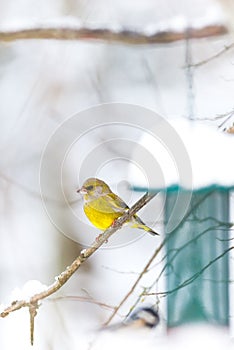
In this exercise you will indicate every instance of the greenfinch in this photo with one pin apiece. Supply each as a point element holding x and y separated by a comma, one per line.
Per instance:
<point>102,207</point>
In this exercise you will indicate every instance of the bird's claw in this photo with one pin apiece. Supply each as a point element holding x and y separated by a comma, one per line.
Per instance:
<point>114,223</point>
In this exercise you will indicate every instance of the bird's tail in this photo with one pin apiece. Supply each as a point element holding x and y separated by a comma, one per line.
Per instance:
<point>136,222</point>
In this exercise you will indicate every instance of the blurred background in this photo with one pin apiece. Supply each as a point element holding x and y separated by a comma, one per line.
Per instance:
<point>46,88</point>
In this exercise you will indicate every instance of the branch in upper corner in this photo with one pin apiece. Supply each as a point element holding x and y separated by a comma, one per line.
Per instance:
<point>123,36</point>
<point>32,303</point>
<point>211,58</point>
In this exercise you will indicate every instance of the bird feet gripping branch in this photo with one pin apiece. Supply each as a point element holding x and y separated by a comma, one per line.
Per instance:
<point>99,237</point>
<point>113,225</point>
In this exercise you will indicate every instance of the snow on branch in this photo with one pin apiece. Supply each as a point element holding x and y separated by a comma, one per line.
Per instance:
<point>150,35</point>
<point>32,302</point>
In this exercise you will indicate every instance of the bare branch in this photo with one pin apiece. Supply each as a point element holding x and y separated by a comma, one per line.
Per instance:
<point>124,36</point>
<point>211,58</point>
<point>193,277</point>
<point>83,299</point>
<point>146,268</point>
<point>135,283</point>
<point>178,250</point>
<point>35,193</point>
<point>32,304</point>
<point>33,313</point>
<point>120,271</point>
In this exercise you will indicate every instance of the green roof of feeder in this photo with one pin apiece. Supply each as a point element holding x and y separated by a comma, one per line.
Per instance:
<point>187,158</point>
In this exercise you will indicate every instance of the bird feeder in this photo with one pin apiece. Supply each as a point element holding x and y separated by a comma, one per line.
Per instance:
<point>191,164</point>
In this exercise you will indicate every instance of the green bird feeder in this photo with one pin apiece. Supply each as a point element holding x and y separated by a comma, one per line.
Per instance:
<point>191,165</point>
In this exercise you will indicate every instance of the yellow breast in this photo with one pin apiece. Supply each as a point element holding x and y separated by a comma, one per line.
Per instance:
<point>100,218</point>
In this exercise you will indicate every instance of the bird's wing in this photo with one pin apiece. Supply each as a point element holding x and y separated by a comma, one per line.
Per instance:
<point>116,203</point>
<point>108,203</point>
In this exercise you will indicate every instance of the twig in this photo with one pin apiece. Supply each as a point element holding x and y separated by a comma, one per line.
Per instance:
<point>189,77</point>
<point>211,58</point>
<point>120,271</point>
<point>152,259</point>
<point>178,250</point>
<point>33,313</point>
<point>35,193</point>
<point>135,283</point>
<point>193,277</point>
<point>125,36</point>
<point>163,243</point>
<point>83,299</point>
<point>32,304</point>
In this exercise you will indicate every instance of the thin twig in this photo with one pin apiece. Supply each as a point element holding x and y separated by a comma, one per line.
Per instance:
<point>211,58</point>
<point>151,260</point>
<point>135,283</point>
<point>35,193</point>
<point>32,304</point>
<point>178,250</point>
<point>189,77</point>
<point>125,36</point>
<point>163,243</point>
<point>193,277</point>
<point>83,299</point>
<point>120,271</point>
<point>33,313</point>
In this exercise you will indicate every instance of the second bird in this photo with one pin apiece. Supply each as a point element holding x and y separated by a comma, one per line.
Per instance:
<point>102,207</point>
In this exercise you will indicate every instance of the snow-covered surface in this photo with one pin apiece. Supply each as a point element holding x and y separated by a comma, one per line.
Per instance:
<point>188,337</point>
<point>42,84</point>
<point>115,14</point>
<point>181,152</point>
<point>178,23</point>
<point>27,290</point>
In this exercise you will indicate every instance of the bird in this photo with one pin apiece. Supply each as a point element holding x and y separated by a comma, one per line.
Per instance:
<point>102,207</point>
<point>136,331</point>
<point>140,318</point>
<point>143,317</point>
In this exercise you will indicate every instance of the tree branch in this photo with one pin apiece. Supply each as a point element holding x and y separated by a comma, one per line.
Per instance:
<point>145,269</point>
<point>193,277</point>
<point>83,299</point>
<point>32,303</point>
<point>124,36</point>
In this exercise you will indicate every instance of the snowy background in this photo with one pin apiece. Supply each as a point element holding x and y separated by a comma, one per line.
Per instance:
<point>46,135</point>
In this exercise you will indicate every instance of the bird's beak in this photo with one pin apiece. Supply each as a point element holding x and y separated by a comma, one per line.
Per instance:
<point>82,190</point>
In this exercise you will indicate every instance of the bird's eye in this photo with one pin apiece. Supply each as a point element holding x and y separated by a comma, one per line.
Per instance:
<point>89,188</point>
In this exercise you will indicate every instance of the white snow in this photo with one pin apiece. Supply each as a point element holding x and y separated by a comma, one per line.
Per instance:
<point>2,307</point>
<point>83,251</point>
<point>185,337</point>
<point>182,152</point>
<point>30,288</point>
<point>180,23</point>
<point>177,23</point>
